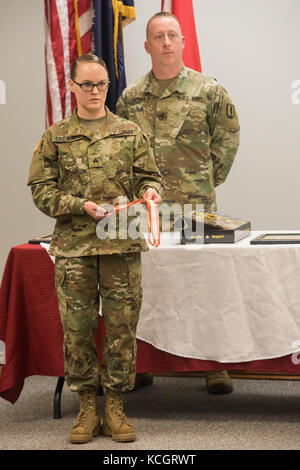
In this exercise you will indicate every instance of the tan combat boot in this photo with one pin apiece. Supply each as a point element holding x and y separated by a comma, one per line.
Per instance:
<point>115,423</point>
<point>218,382</point>
<point>88,422</point>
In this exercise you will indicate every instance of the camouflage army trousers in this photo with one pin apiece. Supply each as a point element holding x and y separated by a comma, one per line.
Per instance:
<point>79,283</point>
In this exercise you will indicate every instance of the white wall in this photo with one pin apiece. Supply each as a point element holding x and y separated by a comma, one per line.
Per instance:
<point>22,119</point>
<point>250,46</point>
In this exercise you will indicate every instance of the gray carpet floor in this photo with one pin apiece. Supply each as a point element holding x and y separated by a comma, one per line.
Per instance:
<point>175,413</point>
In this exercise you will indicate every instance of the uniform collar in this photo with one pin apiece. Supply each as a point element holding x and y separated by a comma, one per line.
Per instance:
<point>76,127</point>
<point>151,85</point>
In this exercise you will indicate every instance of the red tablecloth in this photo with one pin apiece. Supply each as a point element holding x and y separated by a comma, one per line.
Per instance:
<point>31,328</point>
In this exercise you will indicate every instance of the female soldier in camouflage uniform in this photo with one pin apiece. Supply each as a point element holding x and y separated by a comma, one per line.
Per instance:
<point>89,159</point>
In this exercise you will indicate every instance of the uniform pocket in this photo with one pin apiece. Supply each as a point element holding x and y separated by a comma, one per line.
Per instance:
<point>60,276</point>
<point>66,159</point>
<point>194,125</point>
<point>72,160</point>
<point>110,162</point>
<point>60,272</point>
<point>134,269</point>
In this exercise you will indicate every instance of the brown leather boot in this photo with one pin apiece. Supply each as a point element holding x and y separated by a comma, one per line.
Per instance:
<point>218,382</point>
<point>142,379</point>
<point>115,423</point>
<point>88,422</point>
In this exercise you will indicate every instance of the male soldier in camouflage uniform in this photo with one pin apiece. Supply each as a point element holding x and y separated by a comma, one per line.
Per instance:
<point>81,163</point>
<point>192,125</point>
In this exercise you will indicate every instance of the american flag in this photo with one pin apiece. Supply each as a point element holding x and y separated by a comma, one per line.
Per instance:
<point>183,10</point>
<point>69,30</point>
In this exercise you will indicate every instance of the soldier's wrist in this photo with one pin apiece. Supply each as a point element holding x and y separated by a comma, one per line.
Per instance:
<point>78,206</point>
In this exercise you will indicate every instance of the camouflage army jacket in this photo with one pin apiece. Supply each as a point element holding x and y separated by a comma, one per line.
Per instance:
<point>72,165</point>
<point>193,128</point>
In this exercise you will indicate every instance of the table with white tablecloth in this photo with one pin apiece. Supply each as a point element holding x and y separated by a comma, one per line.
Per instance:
<point>204,308</point>
<point>224,302</point>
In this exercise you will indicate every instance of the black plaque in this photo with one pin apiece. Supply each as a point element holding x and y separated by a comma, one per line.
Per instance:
<point>216,228</point>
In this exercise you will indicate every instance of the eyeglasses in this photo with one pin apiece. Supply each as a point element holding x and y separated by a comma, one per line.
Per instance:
<point>89,86</point>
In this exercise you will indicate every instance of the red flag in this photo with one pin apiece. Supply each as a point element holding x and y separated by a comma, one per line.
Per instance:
<point>68,34</point>
<point>183,10</point>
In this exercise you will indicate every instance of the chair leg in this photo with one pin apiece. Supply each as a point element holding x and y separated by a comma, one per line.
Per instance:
<point>57,398</point>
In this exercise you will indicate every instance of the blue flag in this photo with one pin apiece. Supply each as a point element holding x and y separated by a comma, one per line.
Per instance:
<point>110,17</point>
